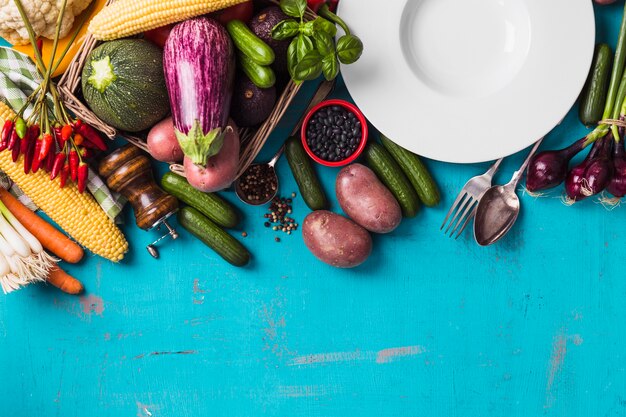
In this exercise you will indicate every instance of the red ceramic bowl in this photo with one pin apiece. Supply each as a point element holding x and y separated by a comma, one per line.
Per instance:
<point>352,109</point>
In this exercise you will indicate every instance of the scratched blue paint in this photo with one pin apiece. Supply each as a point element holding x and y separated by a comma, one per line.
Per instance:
<point>428,327</point>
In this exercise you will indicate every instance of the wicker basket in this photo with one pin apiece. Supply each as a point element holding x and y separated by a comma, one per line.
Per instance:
<point>252,140</point>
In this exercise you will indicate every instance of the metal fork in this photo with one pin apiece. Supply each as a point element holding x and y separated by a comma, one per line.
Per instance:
<point>464,207</point>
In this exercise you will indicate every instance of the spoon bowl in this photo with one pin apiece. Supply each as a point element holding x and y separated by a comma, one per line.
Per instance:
<point>496,214</point>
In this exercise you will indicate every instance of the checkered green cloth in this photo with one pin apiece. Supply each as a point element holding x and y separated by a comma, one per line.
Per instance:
<point>19,77</point>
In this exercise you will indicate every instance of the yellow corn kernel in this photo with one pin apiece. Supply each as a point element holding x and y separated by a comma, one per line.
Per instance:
<point>79,215</point>
<point>124,18</point>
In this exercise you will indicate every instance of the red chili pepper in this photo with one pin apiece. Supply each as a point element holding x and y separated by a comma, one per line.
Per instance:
<point>78,139</point>
<point>83,173</point>
<point>91,135</point>
<point>66,132</point>
<point>56,132</point>
<point>85,153</point>
<point>33,134</point>
<point>77,123</point>
<point>46,145</point>
<point>15,150</point>
<point>7,131</point>
<point>65,172</point>
<point>73,161</point>
<point>57,166</point>
<point>52,156</point>
<point>315,4</point>
<point>36,155</point>
<point>14,138</point>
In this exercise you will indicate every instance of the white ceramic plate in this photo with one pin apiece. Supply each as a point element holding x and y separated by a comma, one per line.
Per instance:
<point>468,80</point>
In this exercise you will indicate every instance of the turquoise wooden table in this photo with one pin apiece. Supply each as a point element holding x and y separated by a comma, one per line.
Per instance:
<point>427,327</point>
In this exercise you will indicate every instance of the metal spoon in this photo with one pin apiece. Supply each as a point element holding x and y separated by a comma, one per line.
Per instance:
<point>270,176</point>
<point>324,89</point>
<point>499,207</point>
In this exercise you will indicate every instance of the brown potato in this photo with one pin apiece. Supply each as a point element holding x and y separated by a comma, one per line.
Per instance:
<point>336,240</point>
<point>366,200</point>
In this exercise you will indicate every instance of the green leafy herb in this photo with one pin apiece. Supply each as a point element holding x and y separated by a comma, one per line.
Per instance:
<point>324,43</point>
<point>349,49</point>
<point>309,67</point>
<point>330,67</point>
<point>312,50</point>
<point>286,29</point>
<point>322,25</point>
<point>293,8</point>
<point>304,46</point>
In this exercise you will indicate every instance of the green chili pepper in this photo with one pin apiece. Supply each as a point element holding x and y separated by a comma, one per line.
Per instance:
<point>20,128</point>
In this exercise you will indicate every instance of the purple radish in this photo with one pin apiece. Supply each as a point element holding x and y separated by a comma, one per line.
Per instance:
<point>549,168</point>
<point>199,64</point>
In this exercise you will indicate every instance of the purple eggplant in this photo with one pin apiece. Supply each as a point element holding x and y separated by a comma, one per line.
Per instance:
<point>549,169</point>
<point>199,64</point>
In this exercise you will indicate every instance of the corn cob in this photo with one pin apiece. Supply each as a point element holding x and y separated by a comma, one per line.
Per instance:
<point>124,18</point>
<point>77,214</point>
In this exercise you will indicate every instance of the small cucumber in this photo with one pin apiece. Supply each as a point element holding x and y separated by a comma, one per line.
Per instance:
<point>416,172</point>
<point>305,175</point>
<point>390,173</point>
<point>211,205</point>
<point>593,97</point>
<point>261,76</point>
<point>249,43</point>
<point>213,236</point>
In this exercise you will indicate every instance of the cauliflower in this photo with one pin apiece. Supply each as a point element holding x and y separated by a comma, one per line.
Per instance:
<point>42,14</point>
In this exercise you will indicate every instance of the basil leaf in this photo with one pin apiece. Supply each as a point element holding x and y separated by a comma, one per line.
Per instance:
<point>322,25</point>
<point>307,28</point>
<point>309,67</point>
<point>349,49</point>
<point>285,30</point>
<point>304,46</point>
<point>292,57</point>
<point>324,43</point>
<point>330,66</point>
<point>293,8</point>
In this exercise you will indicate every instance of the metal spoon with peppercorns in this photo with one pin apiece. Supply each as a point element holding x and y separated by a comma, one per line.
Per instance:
<point>259,183</point>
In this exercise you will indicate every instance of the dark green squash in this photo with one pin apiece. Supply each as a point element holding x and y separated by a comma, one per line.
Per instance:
<point>124,85</point>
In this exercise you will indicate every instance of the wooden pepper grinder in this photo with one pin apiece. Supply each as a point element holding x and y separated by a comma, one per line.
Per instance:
<point>127,171</point>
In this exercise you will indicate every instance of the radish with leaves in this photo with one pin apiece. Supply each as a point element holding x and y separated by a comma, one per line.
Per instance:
<point>199,64</point>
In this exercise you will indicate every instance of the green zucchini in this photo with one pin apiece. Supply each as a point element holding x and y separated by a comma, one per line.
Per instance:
<point>593,97</point>
<point>416,172</point>
<point>261,76</point>
<point>305,176</point>
<point>390,173</point>
<point>249,43</point>
<point>213,236</point>
<point>211,205</point>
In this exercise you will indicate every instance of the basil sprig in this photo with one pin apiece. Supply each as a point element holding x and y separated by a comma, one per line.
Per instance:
<point>312,50</point>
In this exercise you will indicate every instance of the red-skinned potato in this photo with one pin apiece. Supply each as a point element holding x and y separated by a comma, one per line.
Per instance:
<point>366,200</point>
<point>162,142</point>
<point>221,169</point>
<point>336,240</point>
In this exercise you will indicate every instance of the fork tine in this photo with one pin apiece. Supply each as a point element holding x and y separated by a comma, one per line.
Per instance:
<point>460,197</point>
<point>470,217</point>
<point>469,209</point>
<point>460,209</point>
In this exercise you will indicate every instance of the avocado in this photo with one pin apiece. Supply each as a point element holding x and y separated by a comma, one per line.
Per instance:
<point>262,25</point>
<point>250,104</point>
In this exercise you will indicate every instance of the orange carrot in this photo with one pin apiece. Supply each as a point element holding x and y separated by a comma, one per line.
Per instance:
<point>50,238</point>
<point>64,281</point>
